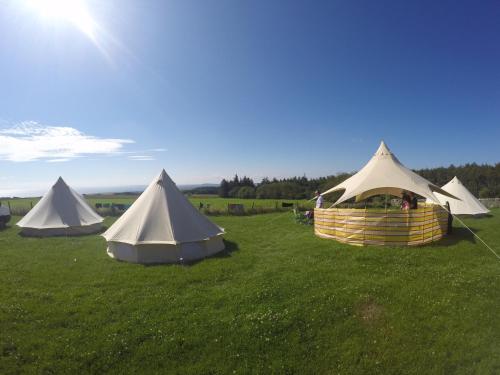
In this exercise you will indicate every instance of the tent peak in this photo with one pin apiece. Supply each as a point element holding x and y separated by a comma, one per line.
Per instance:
<point>383,149</point>
<point>163,177</point>
<point>60,182</point>
<point>163,174</point>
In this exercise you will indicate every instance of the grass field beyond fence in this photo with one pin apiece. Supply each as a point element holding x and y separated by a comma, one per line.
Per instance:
<point>212,205</point>
<point>278,300</point>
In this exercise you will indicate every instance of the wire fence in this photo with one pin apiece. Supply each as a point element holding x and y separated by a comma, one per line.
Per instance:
<point>490,202</point>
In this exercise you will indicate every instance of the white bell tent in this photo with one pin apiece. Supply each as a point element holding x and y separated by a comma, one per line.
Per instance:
<point>162,226</point>
<point>468,203</point>
<point>60,212</point>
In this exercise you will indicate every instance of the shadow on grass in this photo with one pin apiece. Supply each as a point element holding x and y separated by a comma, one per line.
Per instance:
<point>476,217</point>
<point>103,229</point>
<point>484,216</point>
<point>229,248</point>
<point>458,235</point>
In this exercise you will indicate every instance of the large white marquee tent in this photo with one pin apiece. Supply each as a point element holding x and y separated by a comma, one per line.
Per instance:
<point>162,226</point>
<point>61,211</point>
<point>468,203</point>
<point>384,174</point>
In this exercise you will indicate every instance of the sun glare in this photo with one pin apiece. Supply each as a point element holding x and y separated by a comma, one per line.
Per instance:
<point>73,11</point>
<point>78,14</point>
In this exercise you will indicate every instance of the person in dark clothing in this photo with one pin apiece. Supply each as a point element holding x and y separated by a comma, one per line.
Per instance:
<point>413,201</point>
<point>450,218</point>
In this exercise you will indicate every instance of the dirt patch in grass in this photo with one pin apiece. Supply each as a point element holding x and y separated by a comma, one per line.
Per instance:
<point>370,312</point>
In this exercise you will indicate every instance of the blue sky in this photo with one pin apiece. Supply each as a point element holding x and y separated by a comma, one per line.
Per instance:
<point>206,89</point>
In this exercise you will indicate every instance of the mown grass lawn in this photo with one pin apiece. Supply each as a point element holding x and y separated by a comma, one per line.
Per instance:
<point>278,301</point>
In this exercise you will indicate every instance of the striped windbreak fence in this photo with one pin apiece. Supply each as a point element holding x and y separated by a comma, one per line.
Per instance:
<point>425,224</point>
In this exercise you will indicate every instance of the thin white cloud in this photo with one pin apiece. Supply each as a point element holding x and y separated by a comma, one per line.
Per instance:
<point>135,152</point>
<point>30,141</point>
<point>141,157</point>
<point>60,160</point>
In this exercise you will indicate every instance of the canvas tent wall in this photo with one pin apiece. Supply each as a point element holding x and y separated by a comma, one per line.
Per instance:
<point>468,203</point>
<point>61,211</point>
<point>162,226</point>
<point>384,174</point>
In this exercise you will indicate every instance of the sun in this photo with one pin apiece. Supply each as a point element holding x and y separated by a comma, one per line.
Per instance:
<point>73,11</point>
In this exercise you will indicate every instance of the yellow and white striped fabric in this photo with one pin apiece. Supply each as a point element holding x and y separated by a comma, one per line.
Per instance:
<point>361,227</point>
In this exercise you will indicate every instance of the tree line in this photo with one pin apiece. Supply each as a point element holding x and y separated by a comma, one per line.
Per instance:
<point>482,180</point>
<point>286,188</point>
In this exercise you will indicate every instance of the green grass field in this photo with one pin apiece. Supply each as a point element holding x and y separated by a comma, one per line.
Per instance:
<point>213,201</point>
<point>279,300</point>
